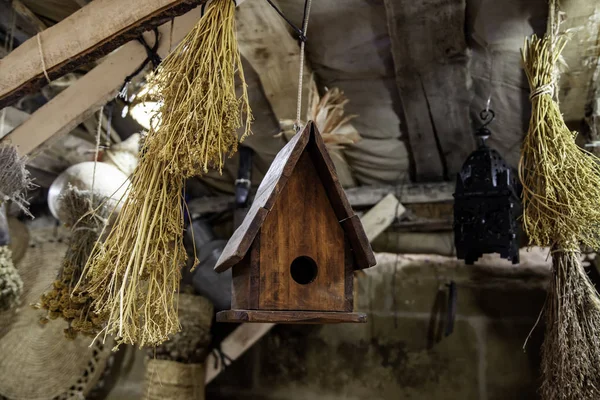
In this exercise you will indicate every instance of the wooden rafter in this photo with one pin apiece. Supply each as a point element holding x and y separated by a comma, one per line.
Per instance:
<point>80,100</point>
<point>430,57</point>
<point>88,34</point>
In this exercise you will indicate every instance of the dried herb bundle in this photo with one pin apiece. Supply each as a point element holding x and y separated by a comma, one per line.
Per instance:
<point>14,177</point>
<point>570,354</point>
<point>87,216</point>
<point>561,181</point>
<point>561,189</point>
<point>134,275</point>
<point>200,111</point>
<point>11,284</point>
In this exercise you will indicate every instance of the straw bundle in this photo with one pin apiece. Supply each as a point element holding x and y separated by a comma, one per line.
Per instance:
<point>200,111</point>
<point>135,274</point>
<point>86,215</point>
<point>561,189</point>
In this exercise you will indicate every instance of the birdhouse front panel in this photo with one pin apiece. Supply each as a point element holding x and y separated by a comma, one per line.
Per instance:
<point>302,247</point>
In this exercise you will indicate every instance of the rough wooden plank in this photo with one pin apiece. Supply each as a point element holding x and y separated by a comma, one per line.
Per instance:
<point>234,345</point>
<point>240,284</point>
<point>272,184</point>
<point>28,15</point>
<point>265,41</point>
<point>349,277</point>
<point>358,197</point>
<point>291,317</point>
<point>254,270</point>
<point>80,100</point>
<point>326,168</point>
<point>360,244</point>
<point>380,217</point>
<point>430,57</point>
<point>579,81</point>
<point>302,223</point>
<point>409,193</point>
<point>101,26</point>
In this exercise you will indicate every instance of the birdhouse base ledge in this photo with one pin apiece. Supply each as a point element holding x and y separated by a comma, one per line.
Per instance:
<point>291,317</point>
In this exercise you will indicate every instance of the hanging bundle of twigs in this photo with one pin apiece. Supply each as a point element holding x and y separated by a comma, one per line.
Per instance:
<point>87,216</point>
<point>561,190</point>
<point>136,272</point>
<point>200,111</point>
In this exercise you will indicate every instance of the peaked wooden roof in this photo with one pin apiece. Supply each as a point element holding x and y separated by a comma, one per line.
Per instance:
<point>274,182</point>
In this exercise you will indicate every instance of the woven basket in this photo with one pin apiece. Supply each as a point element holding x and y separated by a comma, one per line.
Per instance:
<point>170,380</point>
<point>36,361</point>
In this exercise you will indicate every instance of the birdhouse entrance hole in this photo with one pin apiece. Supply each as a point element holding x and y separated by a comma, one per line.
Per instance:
<point>303,270</point>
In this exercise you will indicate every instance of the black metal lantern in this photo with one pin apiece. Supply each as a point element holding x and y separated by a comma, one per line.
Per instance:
<point>486,203</point>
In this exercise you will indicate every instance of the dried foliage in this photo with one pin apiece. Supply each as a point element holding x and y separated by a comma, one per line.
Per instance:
<point>561,189</point>
<point>87,216</point>
<point>14,177</point>
<point>11,284</point>
<point>135,273</point>
<point>329,115</point>
<point>561,181</point>
<point>200,111</point>
<point>570,353</point>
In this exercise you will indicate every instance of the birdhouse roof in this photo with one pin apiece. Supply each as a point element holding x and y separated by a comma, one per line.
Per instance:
<point>273,183</point>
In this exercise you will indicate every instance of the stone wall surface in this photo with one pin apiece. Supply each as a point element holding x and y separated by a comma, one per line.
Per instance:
<point>402,352</point>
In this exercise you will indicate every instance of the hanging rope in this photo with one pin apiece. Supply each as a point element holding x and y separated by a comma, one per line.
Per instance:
<point>307,5</point>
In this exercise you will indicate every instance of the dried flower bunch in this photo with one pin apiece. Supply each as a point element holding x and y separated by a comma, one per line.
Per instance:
<point>135,273</point>
<point>69,299</point>
<point>561,189</point>
<point>11,284</point>
<point>200,111</point>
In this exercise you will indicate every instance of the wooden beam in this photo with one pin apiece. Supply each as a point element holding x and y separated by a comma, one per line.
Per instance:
<point>234,345</point>
<point>380,217</point>
<point>359,197</point>
<point>430,57</point>
<point>26,13</point>
<point>100,27</point>
<point>267,44</point>
<point>83,98</point>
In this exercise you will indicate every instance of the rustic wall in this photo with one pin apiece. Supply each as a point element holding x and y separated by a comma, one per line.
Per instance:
<point>401,353</point>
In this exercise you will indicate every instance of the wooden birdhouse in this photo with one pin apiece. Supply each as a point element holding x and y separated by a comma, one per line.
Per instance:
<point>294,255</point>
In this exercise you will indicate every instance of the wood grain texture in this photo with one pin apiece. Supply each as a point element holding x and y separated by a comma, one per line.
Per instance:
<point>380,217</point>
<point>271,185</point>
<point>266,43</point>
<point>240,284</point>
<point>80,100</point>
<point>302,223</point>
<point>101,27</point>
<point>361,247</point>
<point>348,276</point>
<point>234,345</point>
<point>430,57</point>
<point>290,317</point>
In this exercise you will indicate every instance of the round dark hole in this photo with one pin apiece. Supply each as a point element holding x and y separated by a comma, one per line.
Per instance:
<point>303,270</point>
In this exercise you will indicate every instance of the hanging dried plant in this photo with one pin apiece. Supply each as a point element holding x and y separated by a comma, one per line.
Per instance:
<point>200,111</point>
<point>329,115</point>
<point>87,216</point>
<point>135,273</point>
<point>561,181</point>
<point>561,189</point>
<point>14,177</point>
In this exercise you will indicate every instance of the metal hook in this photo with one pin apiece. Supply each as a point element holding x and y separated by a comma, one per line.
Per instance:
<point>487,116</point>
